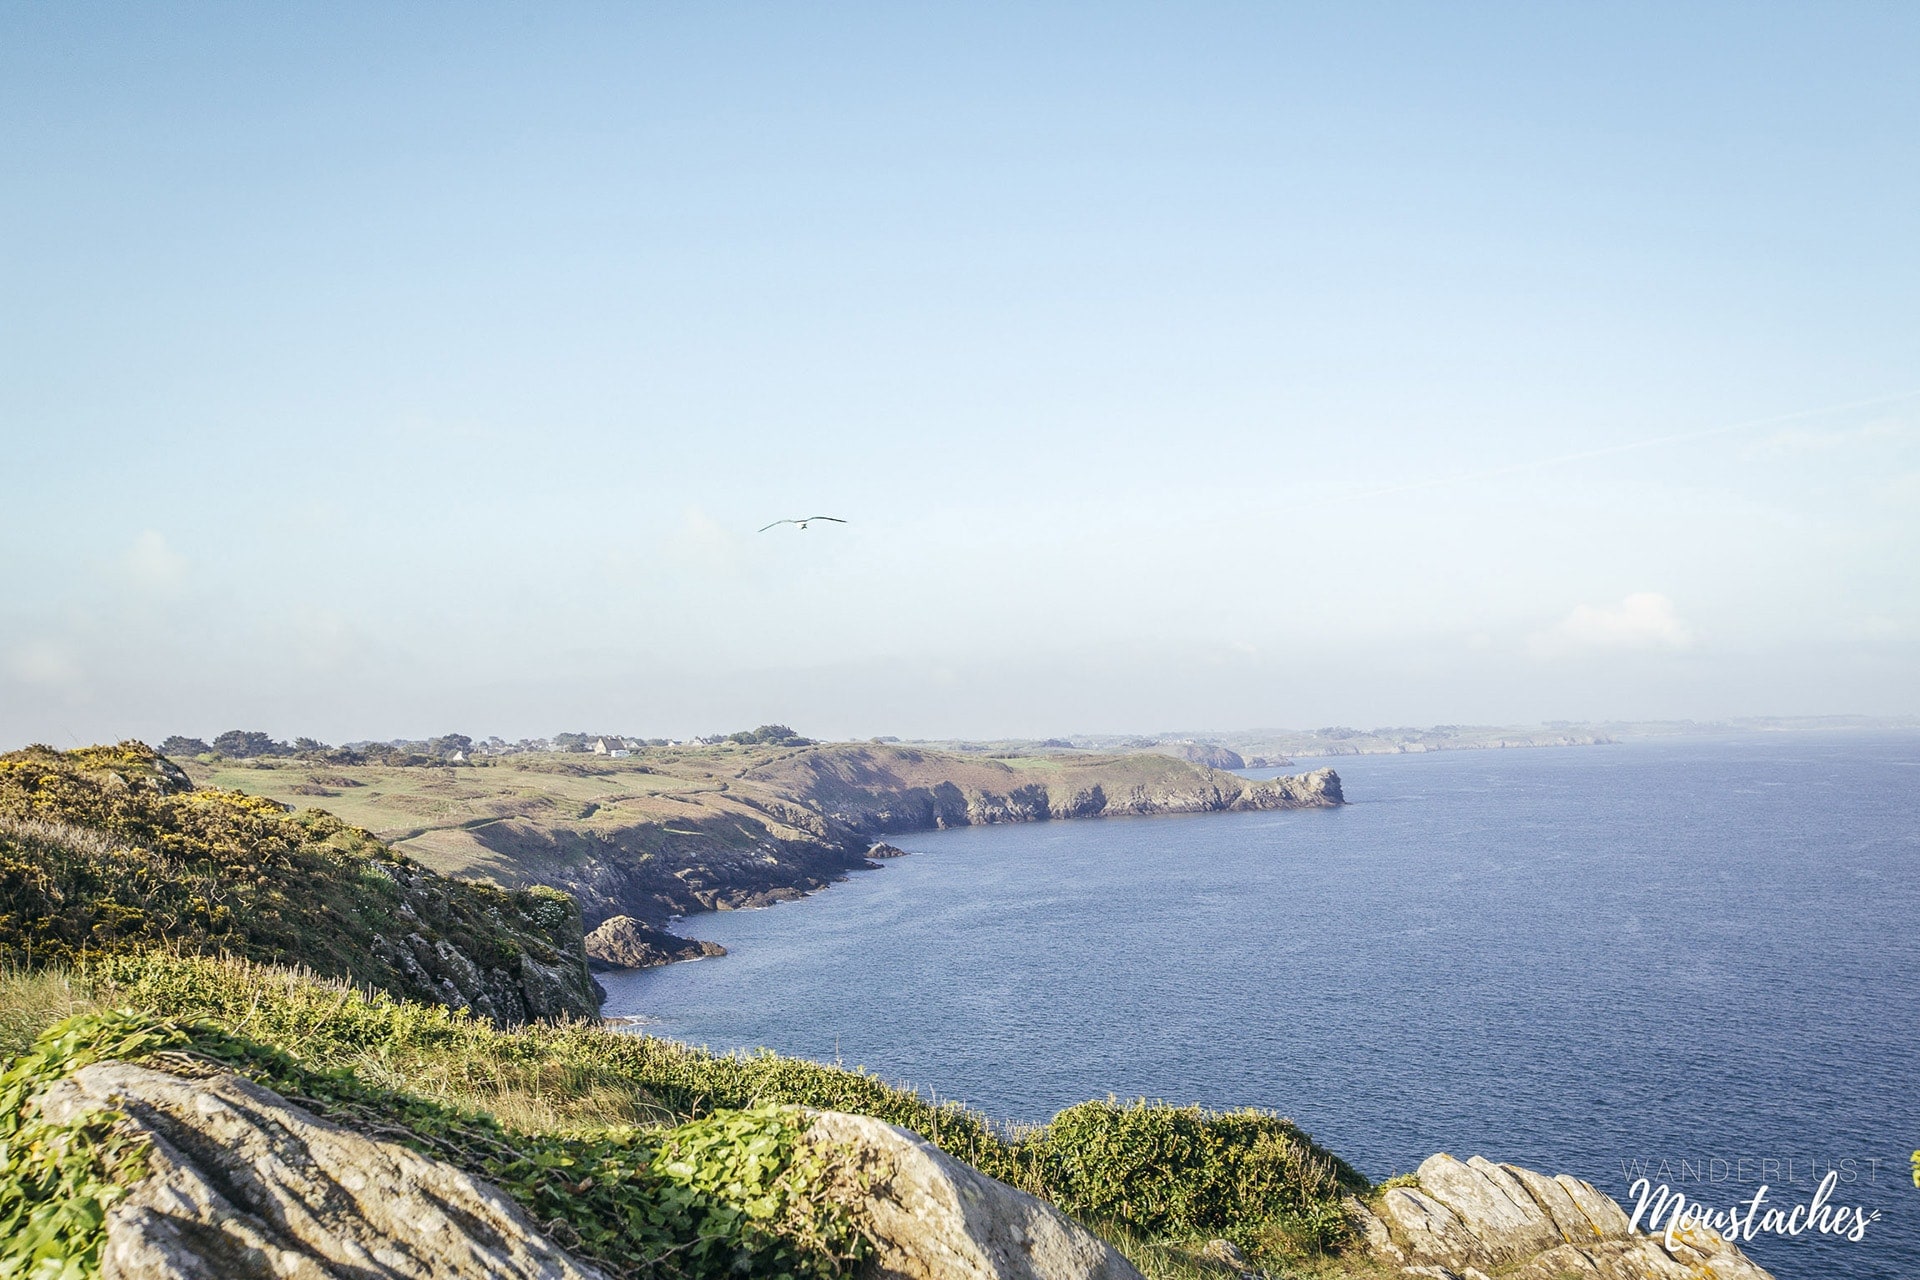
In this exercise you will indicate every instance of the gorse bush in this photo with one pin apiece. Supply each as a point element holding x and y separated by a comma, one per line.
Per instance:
<point>1183,1171</point>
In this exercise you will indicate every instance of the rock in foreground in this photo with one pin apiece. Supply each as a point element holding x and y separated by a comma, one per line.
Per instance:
<point>933,1218</point>
<point>244,1183</point>
<point>1466,1220</point>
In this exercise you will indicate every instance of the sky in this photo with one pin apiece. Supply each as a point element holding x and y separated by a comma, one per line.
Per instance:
<point>372,370</point>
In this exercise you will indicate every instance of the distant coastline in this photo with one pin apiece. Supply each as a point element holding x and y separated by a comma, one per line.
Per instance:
<point>1278,748</point>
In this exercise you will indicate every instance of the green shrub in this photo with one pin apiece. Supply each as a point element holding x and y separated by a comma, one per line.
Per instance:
<point>1183,1171</point>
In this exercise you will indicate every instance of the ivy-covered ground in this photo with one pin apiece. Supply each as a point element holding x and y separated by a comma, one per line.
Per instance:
<point>647,1156</point>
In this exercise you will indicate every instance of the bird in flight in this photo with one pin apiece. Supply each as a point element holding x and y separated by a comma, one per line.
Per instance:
<point>802,523</point>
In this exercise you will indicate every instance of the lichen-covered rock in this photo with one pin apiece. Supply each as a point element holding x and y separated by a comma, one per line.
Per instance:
<point>933,1218</point>
<point>244,1183</point>
<point>1464,1220</point>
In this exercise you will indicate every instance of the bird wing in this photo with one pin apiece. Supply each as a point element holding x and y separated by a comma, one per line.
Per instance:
<point>776,524</point>
<point>835,519</point>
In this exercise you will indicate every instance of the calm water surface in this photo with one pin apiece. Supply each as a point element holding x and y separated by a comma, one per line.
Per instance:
<point>1575,959</point>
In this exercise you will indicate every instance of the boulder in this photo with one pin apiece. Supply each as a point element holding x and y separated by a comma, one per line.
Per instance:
<point>625,943</point>
<point>1226,1253</point>
<point>244,1183</point>
<point>933,1218</point>
<point>1465,1220</point>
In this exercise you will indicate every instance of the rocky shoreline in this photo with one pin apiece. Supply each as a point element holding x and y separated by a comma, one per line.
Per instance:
<point>839,818</point>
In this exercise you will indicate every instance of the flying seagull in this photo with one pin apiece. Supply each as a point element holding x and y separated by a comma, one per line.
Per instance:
<point>802,523</point>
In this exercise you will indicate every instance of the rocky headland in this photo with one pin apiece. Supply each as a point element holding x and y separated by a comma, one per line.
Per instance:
<point>672,832</point>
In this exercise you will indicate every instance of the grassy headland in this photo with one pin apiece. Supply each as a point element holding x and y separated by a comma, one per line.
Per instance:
<point>110,849</point>
<point>671,831</point>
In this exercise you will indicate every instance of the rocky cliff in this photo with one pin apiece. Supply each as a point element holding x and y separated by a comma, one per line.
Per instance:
<point>876,790</point>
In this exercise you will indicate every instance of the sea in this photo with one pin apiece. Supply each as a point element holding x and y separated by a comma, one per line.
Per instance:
<point>1694,961</point>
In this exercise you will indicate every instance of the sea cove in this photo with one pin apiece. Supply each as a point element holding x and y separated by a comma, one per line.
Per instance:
<point>1564,958</point>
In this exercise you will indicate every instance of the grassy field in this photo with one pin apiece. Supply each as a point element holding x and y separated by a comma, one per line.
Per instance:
<point>443,816</point>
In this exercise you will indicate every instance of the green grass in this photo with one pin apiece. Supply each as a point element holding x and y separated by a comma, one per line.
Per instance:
<point>1160,1180</point>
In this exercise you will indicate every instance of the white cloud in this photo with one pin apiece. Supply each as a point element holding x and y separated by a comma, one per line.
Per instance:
<point>1645,622</point>
<point>43,664</point>
<point>704,546</point>
<point>153,565</point>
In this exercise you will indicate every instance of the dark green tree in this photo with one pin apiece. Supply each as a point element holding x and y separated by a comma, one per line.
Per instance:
<point>242,744</point>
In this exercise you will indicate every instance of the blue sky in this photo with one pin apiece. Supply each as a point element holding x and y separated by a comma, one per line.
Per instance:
<point>378,370</point>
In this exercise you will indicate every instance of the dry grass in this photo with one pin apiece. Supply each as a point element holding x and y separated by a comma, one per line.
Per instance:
<point>33,1000</point>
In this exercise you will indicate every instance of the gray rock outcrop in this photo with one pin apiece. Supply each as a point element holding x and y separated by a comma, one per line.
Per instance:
<point>244,1183</point>
<point>1468,1219</point>
<point>625,943</point>
<point>933,1218</point>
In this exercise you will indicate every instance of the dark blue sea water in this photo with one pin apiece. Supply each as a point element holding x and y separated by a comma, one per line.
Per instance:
<point>1588,960</point>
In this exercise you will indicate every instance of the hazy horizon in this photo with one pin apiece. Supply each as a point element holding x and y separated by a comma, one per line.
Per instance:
<point>368,373</point>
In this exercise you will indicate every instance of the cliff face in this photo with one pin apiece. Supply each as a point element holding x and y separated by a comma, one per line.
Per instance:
<point>111,849</point>
<point>880,790</point>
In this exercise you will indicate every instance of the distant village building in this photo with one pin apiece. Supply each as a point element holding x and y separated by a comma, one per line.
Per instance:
<point>610,747</point>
